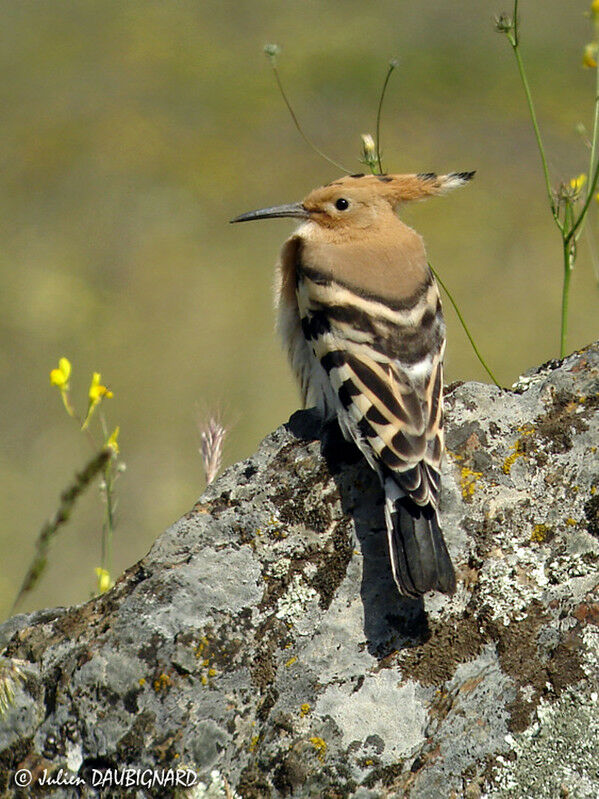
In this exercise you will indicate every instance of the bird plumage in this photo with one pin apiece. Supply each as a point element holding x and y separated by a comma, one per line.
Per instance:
<point>360,314</point>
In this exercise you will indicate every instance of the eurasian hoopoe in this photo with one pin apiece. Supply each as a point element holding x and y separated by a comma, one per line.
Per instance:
<point>360,314</point>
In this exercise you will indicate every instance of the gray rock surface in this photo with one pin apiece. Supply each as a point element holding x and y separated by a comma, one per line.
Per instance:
<point>262,643</point>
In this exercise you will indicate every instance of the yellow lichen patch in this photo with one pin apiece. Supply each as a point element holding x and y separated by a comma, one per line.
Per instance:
<point>212,672</point>
<point>290,662</point>
<point>304,709</point>
<point>539,533</point>
<point>519,448</point>
<point>526,429</point>
<point>509,462</point>
<point>468,481</point>
<point>254,743</point>
<point>162,682</point>
<point>142,681</point>
<point>320,746</point>
<point>201,646</point>
<point>571,522</point>
<point>204,679</point>
<point>593,490</point>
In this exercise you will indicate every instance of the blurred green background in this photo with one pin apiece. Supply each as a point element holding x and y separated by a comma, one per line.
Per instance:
<point>133,130</point>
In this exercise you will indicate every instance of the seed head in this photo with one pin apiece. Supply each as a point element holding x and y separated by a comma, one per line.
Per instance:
<point>213,436</point>
<point>504,23</point>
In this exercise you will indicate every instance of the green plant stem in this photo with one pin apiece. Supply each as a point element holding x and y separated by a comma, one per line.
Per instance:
<point>465,326</point>
<point>591,189</point>
<point>567,254</point>
<point>576,226</point>
<point>515,43</point>
<point>572,225</point>
<point>392,66</point>
<point>68,498</point>
<point>296,121</point>
<point>109,521</point>
<point>595,128</point>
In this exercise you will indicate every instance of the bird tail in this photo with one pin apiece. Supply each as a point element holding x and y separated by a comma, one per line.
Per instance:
<point>419,558</point>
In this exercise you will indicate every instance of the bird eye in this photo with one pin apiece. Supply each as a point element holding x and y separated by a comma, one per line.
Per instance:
<point>341,204</point>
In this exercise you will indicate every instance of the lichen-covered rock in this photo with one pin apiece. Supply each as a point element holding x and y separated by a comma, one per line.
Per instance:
<point>262,643</point>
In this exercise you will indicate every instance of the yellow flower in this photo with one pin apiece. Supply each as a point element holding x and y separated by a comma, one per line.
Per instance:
<point>60,377</point>
<point>578,183</point>
<point>589,56</point>
<point>97,391</point>
<point>104,580</point>
<point>113,440</point>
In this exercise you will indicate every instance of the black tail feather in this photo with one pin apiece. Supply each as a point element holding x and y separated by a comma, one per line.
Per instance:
<point>419,557</point>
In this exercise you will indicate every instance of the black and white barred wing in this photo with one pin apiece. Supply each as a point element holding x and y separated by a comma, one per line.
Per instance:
<point>396,424</point>
<point>393,412</point>
<point>383,377</point>
<point>399,430</point>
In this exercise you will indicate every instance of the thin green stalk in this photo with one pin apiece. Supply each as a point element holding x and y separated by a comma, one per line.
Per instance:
<point>465,326</point>
<point>392,65</point>
<point>595,127</point>
<point>567,253</point>
<point>572,224</point>
<point>585,207</point>
<point>309,142</point>
<point>109,522</point>
<point>108,526</point>
<point>514,40</point>
<point>593,252</point>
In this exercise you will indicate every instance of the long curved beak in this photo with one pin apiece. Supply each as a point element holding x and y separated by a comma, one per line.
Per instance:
<point>293,209</point>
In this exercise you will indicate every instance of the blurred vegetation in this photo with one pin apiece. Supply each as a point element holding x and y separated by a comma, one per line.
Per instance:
<point>134,130</point>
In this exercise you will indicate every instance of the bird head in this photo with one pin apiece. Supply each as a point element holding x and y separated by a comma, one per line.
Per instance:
<point>357,201</point>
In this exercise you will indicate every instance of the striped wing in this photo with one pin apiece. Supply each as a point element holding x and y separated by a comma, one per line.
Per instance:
<point>385,378</point>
